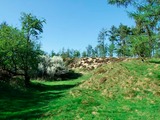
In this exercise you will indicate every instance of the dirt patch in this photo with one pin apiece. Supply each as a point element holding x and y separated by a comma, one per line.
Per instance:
<point>92,63</point>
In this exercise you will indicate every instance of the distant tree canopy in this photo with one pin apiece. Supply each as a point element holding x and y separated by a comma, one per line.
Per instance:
<point>32,27</point>
<point>120,2</point>
<point>18,51</point>
<point>143,39</point>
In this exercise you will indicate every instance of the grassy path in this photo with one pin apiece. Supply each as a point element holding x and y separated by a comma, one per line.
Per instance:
<point>35,102</point>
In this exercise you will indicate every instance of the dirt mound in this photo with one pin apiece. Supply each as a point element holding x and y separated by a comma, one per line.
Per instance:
<point>92,63</point>
<point>115,80</point>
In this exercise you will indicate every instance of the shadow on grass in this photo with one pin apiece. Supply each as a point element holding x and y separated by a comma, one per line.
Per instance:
<point>43,88</point>
<point>30,103</point>
<point>155,61</point>
<point>71,75</point>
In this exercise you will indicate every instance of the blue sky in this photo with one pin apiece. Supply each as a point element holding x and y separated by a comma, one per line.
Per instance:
<point>69,23</point>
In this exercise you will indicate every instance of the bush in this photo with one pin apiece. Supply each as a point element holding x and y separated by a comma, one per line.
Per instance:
<point>5,76</point>
<point>51,67</point>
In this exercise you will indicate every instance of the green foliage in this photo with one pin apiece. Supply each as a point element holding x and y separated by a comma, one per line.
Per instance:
<point>146,16</point>
<point>31,25</point>
<point>18,51</point>
<point>89,51</point>
<point>69,53</point>
<point>120,2</point>
<point>76,54</point>
<point>140,46</point>
<point>84,54</point>
<point>111,49</point>
<point>52,53</point>
<point>130,90</point>
<point>112,34</point>
<point>14,49</point>
<point>102,46</point>
<point>118,39</point>
<point>36,101</point>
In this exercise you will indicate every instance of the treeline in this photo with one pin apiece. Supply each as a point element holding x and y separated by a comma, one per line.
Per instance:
<point>121,41</point>
<point>142,40</point>
<point>20,52</point>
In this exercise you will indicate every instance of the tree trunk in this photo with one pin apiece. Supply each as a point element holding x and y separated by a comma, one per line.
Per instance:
<point>27,80</point>
<point>150,40</point>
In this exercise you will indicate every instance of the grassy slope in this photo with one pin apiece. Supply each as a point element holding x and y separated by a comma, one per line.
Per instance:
<point>125,90</point>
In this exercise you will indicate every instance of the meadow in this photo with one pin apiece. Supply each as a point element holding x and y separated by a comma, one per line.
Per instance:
<point>127,90</point>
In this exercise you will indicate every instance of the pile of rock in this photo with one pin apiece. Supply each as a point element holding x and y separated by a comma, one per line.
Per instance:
<point>92,63</point>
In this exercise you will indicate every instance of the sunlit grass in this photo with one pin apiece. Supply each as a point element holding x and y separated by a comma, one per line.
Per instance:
<point>127,90</point>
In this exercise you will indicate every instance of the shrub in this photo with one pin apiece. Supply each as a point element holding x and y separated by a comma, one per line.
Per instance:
<point>52,67</point>
<point>5,76</point>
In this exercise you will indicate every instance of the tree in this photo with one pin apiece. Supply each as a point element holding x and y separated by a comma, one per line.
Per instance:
<point>140,46</point>
<point>84,54</point>
<point>13,50</point>
<point>95,52</point>
<point>112,34</point>
<point>122,40</point>
<point>52,53</point>
<point>111,49</point>
<point>69,53</point>
<point>146,16</point>
<point>11,40</point>
<point>89,50</point>
<point>118,38</point>
<point>102,46</point>
<point>120,2</point>
<point>32,27</point>
<point>64,54</point>
<point>76,54</point>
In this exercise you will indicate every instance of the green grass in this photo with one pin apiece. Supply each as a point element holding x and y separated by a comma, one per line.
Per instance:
<point>36,101</point>
<point>120,91</point>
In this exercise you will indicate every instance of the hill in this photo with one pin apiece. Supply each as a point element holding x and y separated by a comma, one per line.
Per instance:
<point>125,90</point>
